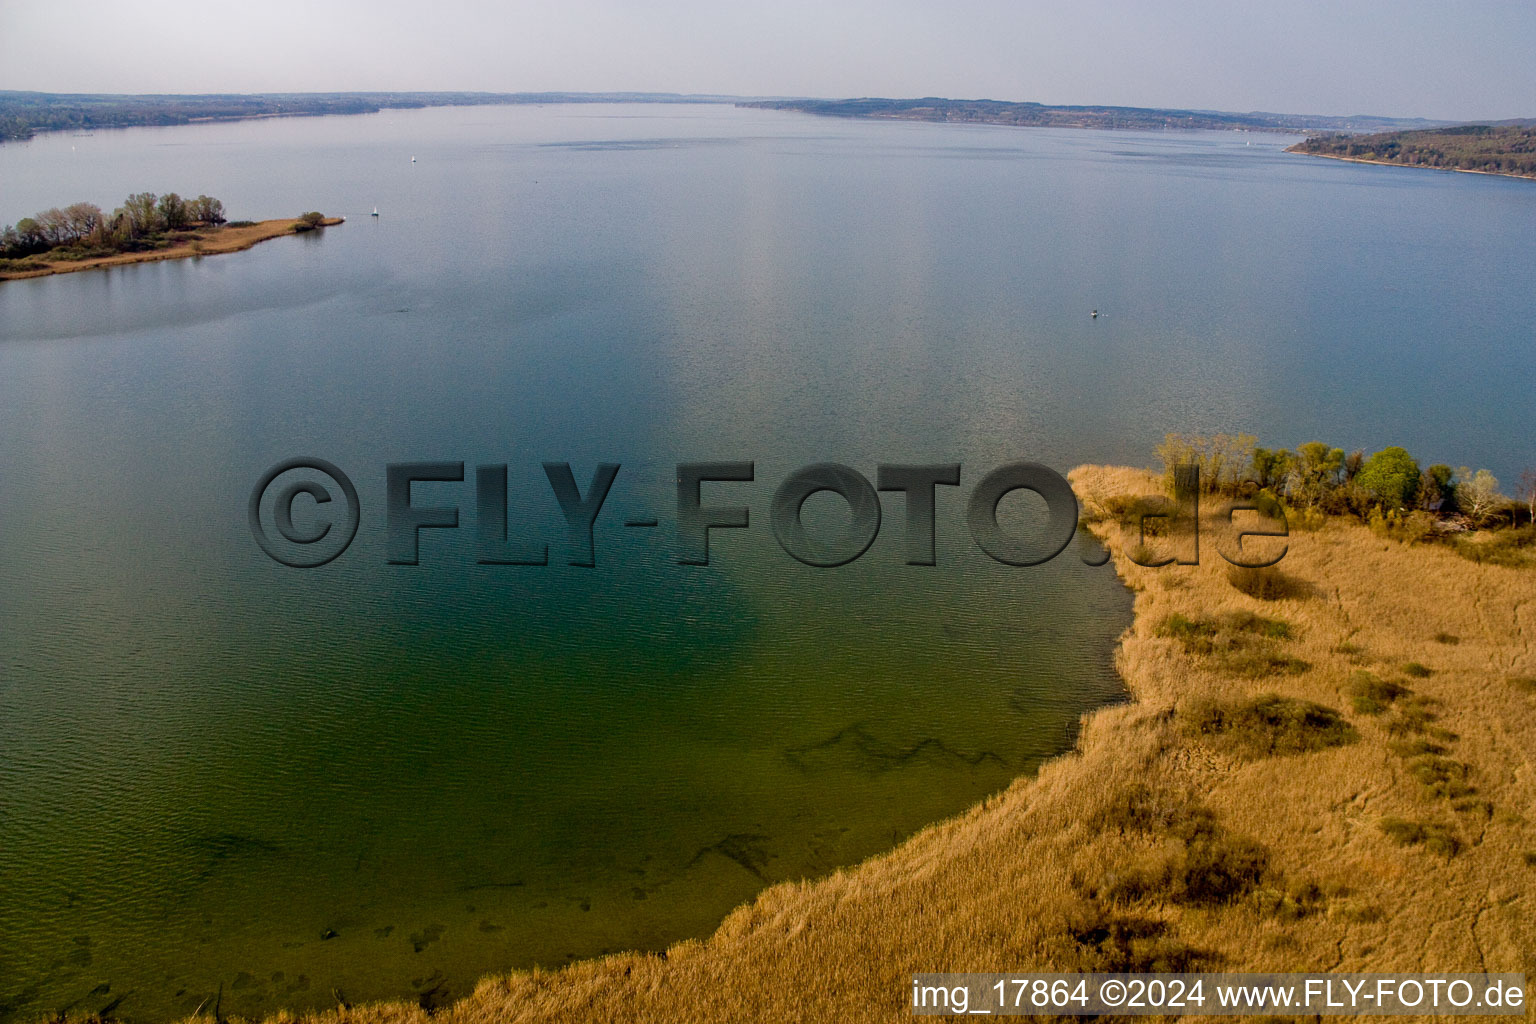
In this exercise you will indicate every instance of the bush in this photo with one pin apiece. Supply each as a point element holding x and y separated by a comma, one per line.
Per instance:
<point>1370,695</point>
<point>1441,777</point>
<point>1106,941</point>
<point>1433,837</point>
<point>1234,629</point>
<point>1258,664</point>
<point>309,221</point>
<point>1514,548</point>
<point>1414,717</point>
<point>241,224</point>
<point>1266,584</point>
<point>1212,868</point>
<point>1270,725</point>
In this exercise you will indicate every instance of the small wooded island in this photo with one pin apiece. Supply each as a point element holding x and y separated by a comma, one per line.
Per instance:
<point>145,228</point>
<point>1508,149</point>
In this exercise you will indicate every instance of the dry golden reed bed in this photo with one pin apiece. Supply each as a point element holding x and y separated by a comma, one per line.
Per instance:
<point>1336,779</point>
<point>204,242</point>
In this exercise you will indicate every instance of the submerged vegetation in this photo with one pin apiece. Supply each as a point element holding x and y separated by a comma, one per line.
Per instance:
<point>1490,149</point>
<point>1311,779</point>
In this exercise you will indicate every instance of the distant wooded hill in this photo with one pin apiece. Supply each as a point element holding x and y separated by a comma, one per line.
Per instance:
<point>24,113</point>
<point>1495,149</point>
<point>1040,115</point>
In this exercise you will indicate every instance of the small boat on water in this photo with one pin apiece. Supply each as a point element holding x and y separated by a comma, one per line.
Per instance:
<point>375,212</point>
<point>1094,314</point>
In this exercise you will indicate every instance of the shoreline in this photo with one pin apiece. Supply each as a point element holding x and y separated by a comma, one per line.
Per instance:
<point>1330,779</point>
<point>212,242</point>
<point>1417,167</point>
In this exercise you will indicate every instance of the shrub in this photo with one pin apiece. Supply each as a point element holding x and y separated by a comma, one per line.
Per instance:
<point>1525,684</point>
<point>241,224</point>
<point>1266,584</point>
<point>1433,837</point>
<point>1417,670</point>
<point>1441,777</point>
<point>1413,717</point>
<point>1257,664</point>
<point>1234,629</point>
<point>1307,520</point>
<point>1223,459</point>
<point>1211,866</point>
<point>1415,748</point>
<point>1270,725</point>
<point>1514,548</point>
<point>1105,941</point>
<point>1447,638</point>
<point>312,219</point>
<point>1291,903</point>
<point>1219,869</point>
<point>1370,695</point>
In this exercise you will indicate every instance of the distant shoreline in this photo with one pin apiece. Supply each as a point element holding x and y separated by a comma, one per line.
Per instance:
<point>26,114</point>
<point>1418,167</point>
<point>205,242</point>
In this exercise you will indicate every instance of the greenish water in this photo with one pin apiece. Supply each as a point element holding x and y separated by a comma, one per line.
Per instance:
<point>389,781</point>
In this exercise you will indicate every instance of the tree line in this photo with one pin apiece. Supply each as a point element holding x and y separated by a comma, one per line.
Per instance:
<point>22,114</point>
<point>81,229</point>
<point>1387,488</point>
<point>1496,149</point>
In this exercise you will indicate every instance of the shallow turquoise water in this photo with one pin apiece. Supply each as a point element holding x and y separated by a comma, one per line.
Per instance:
<point>388,781</point>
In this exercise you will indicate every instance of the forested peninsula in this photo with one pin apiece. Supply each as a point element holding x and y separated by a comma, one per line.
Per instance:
<point>1041,115</point>
<point>1508,149</point>
<point>146,228</point>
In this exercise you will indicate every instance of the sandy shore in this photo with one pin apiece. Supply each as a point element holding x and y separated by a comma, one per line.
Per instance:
<point>205,242</point>
<point>1421,167</point>
<point>1339,777</point>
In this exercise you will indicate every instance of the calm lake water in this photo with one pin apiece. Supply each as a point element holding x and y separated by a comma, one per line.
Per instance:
<point>221,774</point>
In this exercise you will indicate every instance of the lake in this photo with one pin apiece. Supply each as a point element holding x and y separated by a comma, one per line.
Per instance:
<point>225,779</point>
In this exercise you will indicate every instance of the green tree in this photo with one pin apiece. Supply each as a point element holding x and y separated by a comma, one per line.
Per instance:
<point>1270,465</point>
<point>1315,470</point>
<point>173,212</point>
<point>1390,477</point>
<point>143,217</point>
<point>206,209</point>
<point>30,232</point>
<point>84,219</point>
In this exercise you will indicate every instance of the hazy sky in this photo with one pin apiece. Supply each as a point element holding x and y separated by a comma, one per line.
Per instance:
<point>1452,59</point>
